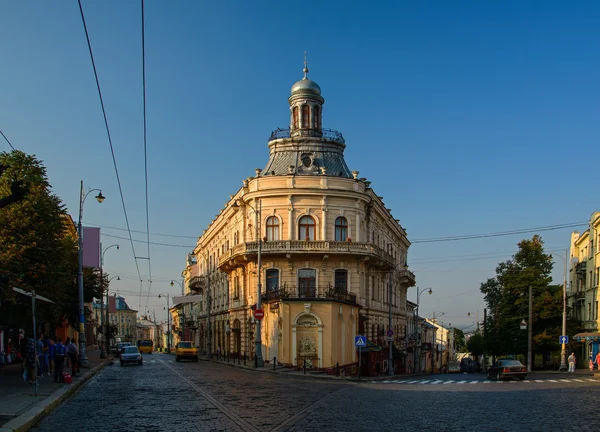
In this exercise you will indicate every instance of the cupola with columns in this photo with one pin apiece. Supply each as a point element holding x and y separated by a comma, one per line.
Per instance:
<point>306,107</point>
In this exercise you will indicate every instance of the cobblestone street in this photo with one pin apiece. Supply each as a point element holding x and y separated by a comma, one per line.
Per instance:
<point>163,395</point>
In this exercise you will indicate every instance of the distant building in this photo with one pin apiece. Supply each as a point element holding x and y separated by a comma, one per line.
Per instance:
<point>124,318</point>
<point>584,281</point>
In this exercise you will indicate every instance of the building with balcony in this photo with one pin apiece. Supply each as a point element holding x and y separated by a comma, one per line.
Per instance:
<point>315,240</point>
<point>123,318</point>
<point>584,281</point>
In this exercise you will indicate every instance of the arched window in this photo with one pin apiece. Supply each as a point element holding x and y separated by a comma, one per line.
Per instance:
<point>272,228</point>
<point>341,229</point>
<point>305,116</point>
<point>272,279</point>
<point>306,228</point>
<point>295,117</point>
<point>316,117</point>
<point>307,283</point>
<point>341,280</point>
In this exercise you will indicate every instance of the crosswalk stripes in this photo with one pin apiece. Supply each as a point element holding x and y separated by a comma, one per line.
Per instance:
<point>486,381</point>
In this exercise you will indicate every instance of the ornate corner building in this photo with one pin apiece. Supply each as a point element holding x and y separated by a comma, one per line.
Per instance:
<point>314,239</point>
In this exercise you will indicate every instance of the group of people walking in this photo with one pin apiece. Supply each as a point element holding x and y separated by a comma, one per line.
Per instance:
<point>573,360</point>
<point>50,356</point>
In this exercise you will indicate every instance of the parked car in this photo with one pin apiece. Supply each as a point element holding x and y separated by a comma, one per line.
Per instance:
<point>507,368</point>
<point>453,367</point>
<point>120,347</point>
<point>131,354</point>
<point>186,350</point>
<point>466,365</point>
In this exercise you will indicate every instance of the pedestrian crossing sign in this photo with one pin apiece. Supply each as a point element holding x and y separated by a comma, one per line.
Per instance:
<point>360,341</point>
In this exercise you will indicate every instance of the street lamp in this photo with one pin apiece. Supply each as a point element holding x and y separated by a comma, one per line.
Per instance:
<point>417,330</point>
<point>102,342</point>
<point>563,351</point>
<point>107,321</point>
<point>182,308</point>
<point>83,359</point>
<point>390,334</point>
<point>168,323</point>
<point>259,359</point>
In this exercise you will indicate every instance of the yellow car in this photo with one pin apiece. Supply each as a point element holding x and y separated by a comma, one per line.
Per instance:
<point>186,350</point>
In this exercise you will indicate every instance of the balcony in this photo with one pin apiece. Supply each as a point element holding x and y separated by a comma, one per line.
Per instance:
<point>304,293</point>
<point>581,267</point>
<point>245,252</point>
<point>328,134</point>
<point>407,277</point>
<point>197,283</point>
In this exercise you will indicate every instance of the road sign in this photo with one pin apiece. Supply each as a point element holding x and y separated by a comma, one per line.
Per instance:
<point>259,314</point>
<point>563,339</point>
<point>390,338</point>
<point>360,341</point>
<point>390,333</point>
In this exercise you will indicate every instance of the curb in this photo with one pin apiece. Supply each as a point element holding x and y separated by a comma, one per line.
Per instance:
<point>26,420</point>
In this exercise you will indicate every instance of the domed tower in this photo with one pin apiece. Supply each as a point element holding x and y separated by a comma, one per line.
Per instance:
<point>305,148</point>
<point>306,104</point>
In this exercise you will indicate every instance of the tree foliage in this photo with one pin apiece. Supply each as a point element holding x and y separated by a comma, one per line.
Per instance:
<point>475,344</point>
<point>507,299</point>
<point>37,251</point>
<point>460,344</point>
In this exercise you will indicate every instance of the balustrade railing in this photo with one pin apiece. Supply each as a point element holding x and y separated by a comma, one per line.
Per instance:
<point>329,134</point>
<point>306,293</point>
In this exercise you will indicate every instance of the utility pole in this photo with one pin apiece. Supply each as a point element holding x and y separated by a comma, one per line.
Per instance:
<point>390,368</point>
<point>563,351</point>
<point>484,339</point>
<point>530,333</point>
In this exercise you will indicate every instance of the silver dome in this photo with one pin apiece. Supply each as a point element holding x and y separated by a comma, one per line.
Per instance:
<point>306,86</point>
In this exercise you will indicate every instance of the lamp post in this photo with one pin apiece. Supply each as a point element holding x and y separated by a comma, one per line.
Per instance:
<point>107,321</point>
<point>563,351</point>
<point>83,360</point>
<point>182,307</point>
<point>417,329</point>
<point>259,359</point>
<point>168,323</point>
<point>103,342</point>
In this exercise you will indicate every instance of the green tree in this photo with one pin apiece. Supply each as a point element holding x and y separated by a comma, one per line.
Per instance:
<point>475,344</point>
<point>507,299</point>
<point>37,252</point>
<point>459,340</point>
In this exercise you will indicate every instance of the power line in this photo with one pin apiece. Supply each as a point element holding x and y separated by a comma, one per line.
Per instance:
<point>112,150</point>
<point>143,232</point>
<point>9,143</point>
<point>153,243</point>
<point>499,234</point>
<point>482,256</point>
<point>146,153</point>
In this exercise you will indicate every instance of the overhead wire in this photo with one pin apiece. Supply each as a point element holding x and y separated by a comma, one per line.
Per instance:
<point>112,150</point>
<point>9,143</point>
<point>153,243</point>
<point>142,232</point>
<point>499,234</point>
<point>146,152</point>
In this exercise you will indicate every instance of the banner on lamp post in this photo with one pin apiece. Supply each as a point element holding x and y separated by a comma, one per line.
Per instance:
<point>91,247</point>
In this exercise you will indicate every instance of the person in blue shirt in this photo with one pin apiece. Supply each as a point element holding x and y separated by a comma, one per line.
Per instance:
<point>59,359</point>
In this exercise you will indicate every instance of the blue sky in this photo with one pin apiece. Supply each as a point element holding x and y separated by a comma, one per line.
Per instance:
<point>467,117</point>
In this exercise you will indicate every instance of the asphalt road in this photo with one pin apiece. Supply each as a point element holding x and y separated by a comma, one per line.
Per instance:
<point>163,395</point>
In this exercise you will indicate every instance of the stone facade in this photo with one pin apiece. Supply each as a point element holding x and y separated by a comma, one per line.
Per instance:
<point>318,241</point>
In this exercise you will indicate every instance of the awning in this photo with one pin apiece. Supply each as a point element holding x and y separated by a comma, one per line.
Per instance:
<point>371,347</point>
<point>586,337</point>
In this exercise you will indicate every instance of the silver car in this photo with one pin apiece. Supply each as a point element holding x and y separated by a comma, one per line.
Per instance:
<point>131,354</point>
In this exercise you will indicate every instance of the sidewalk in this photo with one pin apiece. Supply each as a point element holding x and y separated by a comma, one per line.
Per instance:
<point>20,408</point>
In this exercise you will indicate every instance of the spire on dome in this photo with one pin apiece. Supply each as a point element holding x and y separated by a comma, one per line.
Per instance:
<point>305,70</point>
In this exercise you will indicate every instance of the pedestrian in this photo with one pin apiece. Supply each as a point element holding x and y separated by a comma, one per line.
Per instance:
<point>72,351</point>
<point>591,364</point>
<point>598,361</point>
<point>572,360</point>
<point>30,360</point>
<point>50,355</point>
<point>39,350</point>
<point>59,359</point>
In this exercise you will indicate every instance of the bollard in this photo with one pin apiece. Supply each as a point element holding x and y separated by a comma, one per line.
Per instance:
<point>238,356</point>
<point>255,361</point>
<point>337,369</point>
<point>244,358</point>
<point>274,363</point>
<point>304,366</point>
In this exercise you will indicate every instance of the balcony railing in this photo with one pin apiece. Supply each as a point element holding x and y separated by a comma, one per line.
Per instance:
<point>308,246</point>
<point>196,282</point>
<point>308,293</point>
<point>329,134</point>
<point>581,267</point>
